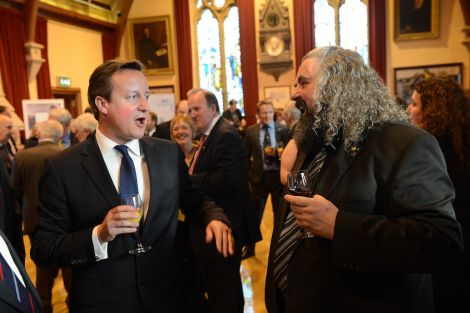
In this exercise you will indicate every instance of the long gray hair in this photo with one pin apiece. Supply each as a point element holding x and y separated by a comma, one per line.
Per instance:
<point>348,96</point>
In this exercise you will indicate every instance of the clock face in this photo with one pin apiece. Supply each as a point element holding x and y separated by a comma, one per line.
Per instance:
<point>274,46</point>
<point>273,20</point>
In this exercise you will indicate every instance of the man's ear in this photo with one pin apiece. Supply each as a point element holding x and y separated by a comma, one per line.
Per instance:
<point>101,104</point>
<point>213,108</point>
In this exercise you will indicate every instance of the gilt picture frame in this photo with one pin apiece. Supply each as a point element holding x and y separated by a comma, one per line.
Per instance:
<point>416,19</point>
<point>150,42</point>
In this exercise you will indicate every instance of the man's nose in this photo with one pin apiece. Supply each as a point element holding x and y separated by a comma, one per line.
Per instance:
<point>294,94</point>
<point>144,104</point>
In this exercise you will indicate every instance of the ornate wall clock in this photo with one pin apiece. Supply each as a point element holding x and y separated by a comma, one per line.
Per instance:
<point>274,38</point>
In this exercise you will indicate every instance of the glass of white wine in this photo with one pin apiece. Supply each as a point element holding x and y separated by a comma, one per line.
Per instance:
<point>279,148</point>
<point>300,184</point>
<point>136,202</point>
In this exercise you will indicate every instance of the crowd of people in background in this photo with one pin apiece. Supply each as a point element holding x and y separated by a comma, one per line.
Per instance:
<point>381,228</point>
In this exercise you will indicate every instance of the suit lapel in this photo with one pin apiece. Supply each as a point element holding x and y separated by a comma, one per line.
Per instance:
<point>336,165</point>
<point>200,158</point>
<point>94,165</point>
<point>153,163</point>
<point>258,143</point>
<point>155,167</point>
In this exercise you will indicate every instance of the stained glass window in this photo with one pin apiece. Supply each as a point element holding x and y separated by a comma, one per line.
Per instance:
<point>219,3</point>
<point>342,23</point>
<point>208,47</point>
<point>232,56</point>
<point>324,24</point>
<point>218,48</point>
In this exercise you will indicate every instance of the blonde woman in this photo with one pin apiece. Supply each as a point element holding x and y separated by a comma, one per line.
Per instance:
<point>182,132</point>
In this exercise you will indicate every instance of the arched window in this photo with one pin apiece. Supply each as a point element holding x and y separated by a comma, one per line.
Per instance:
<point>218,50</point>
<point>342,23</point>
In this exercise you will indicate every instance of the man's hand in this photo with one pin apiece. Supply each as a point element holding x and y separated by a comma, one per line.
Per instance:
<point>317,215</point>
<point>118,221</point>
<point>223,237</point>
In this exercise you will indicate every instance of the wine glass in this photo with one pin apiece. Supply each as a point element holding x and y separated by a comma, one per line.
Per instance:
<point>136,202</point>
<point>279,149</point>
<point>299,184</point>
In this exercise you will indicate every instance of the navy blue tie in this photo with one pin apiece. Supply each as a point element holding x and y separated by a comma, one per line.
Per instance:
<point>21,292</point>
<point>127,177</point>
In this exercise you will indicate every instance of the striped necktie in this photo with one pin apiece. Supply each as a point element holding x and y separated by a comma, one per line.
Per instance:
<point>291,232</point>
<point>21,293</point>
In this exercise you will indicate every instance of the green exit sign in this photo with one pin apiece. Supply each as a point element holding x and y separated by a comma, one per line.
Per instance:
<point>63,81</point>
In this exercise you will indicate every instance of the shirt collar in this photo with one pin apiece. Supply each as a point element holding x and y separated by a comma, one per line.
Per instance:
<point>212,124</point>
<point>270,125</point>
<point>105,144</point>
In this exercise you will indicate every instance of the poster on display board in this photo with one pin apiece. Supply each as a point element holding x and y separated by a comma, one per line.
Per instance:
<point>36,111</point>
<point>163,104</point>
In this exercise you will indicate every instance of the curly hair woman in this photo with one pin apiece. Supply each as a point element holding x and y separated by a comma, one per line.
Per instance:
<point>439,106</point>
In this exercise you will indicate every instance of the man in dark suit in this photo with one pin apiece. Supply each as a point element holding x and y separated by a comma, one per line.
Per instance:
<point>381,211</point>
<point>10,217</point>
<point>261,150</point>
<point>82,223</point>
<point>17,293</point>
<point>219,169</point>
<point>27,170</point>
<point>162,130</point>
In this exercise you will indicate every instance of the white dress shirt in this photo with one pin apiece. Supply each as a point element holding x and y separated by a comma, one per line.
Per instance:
<point>112,158</point>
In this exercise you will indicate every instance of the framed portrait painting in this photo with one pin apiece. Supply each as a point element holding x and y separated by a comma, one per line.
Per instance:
<point>150,43</point>
<point>416,19</point>
<point>406,78</point>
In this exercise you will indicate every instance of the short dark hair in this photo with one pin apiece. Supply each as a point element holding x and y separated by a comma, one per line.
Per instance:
<point>210,97</point>
<point>100,81</point>
<point>233,101</point>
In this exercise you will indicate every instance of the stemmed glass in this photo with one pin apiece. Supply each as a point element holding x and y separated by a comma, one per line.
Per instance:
<point>299,184</point>
<point>136,202</point>
<point>279,148</point>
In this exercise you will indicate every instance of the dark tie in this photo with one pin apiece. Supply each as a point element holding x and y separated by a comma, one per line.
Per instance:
<point>291,232</point>
<point>127,177</point>
<point>21,292</point>
<point>268,159</point>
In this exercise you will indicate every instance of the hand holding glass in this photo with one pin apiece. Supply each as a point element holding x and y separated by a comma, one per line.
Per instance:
<point>136,202</point>
<point>299,184</point>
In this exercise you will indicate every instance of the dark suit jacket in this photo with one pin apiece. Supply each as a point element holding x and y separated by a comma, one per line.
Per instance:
<point>451,287</point>
<point>221,173</point>
<point>162,130</point>
<point>76,192</point>
<point>253,151</point>
<point>10,217</point>
<point>8,300</point>
<point>395,224</point>
<point>27,170</point>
